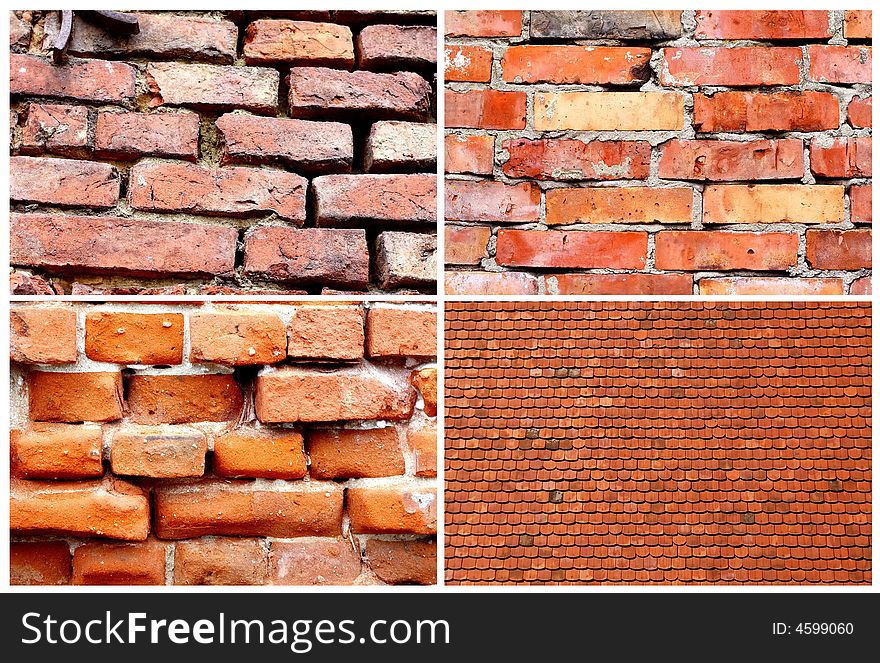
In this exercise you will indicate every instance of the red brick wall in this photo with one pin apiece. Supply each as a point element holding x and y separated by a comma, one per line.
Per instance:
<point>661,152</point>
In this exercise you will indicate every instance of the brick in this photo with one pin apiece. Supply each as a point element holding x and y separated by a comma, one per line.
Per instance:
<point>42,335</point>
<point>84,80</point>
<point>401,146</point>
<point>158,452</point>
<point>839,249</point>
<point>21,283</point>
<point>39,563</point>
<point>466,245</point>
<point>403,509</point>
<point>226,290</point>
<point>619,205</point>
<point>620,284</point>
<point>572,249</point>
<point>396,47</point>
<point>134,338</point>
<point>397,16</point>
<point>63,182</point>
<point>213,87</point>
<point>763,25</point>
<point>294,393</point>
<point>485,109</point>
<point>241,508</point>
<point>569,159</point>
<point>133,135</point>
<point>751,285</point>
<point>269,41</point>
<point>231,191</point>
<point>401,332</point>
<point>57,129</point>
<point>422,441</point>
<point>469,154</point>
<point>716,250</point>
<point>403,562</point>
<point>237,337</point>
<point>112,509</point>
<point>406,260</point>
<point>20,29</point>
<point>82,289</point>
<point>57,451</point>
<point>858,112</point>
<point>728,160</point>
<point>402,95</point>
<point>326,332</point>
<point>861,286</point>
<point>737,67</point>
<point>841,157</point>
<point>583,65</point>
<point>483,23</point>
<point>74,397</point>
<point>220,561</point>
<point>772,203</point>
<point>490,283</point>
<point>860,203</point>
<point>495,202</point>
<point>119,564</point>
<point>352,453</point>
<point>344,200</point>
<point>121,246</point>
<point>308,255</point>
<point>183,399</point>
<point>425,380</point>
<point>605,24</point>
<point>261,453</point>
<point>608,111</point>
<point>839,64</point>
<point>857,24</point>
<point>766,111</point>
<point>464,62</point>
<point>314,562</point>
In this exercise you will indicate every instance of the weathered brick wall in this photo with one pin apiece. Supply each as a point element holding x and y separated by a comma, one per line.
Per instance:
<point>225,151</point>
<point>663,152</point>
<point>223,444</point>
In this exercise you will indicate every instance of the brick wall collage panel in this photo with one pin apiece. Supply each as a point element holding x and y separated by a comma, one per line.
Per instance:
<point>658,152</point>
<point>658,443</point>
<point>258,444</point>
<point>225,152</point>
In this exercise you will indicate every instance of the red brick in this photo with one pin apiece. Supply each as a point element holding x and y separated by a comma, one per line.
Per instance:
<point>57,451</point>
<point>74,397</point>
<point>619,205</point>
<point>843,157</point>
<point>134,338</point>
<point>583,65</point>
<point>858,112</point>
<point>213,87</point>
<point>737,67</point>
<point>326,332</point>
<point>405,260</point>
<point>269,41</point>
<point>469,154</point>
<point>572,249</point>
<point>401,332</point>
<point>483,23</point>
<point>260,452</point>
<point>39,563</point>
<point>728,160</point>
<point>85,80</point>
<point>568,159</point>
<point>237,337</point>
<point>133,135</point>
<point>839,64</point>
<point>308,255</point>
<point>315,562</point>
<point>857,24</point>
<point>463,62</point>
<point>158,452</point>
<point>250,292</point>
<point>82,289</point>
<point>56,128</point>
<point>220,561</point>
<point>396,47</point>
<point>183,399</point>
<point>121,246</point>
<point>751,285</point>
<point>111,508</point>
<point>422,441</point>
<point>20,29</point>
<point>466,245</point>
<point>42,335</point>
<point>485,109</point>
<point>232,191</point>
<point>119,564</point>
<point>468,200</point>
<point>620,284</point>
<point>861,286</point>
<point>63,182</point>
<point>22,283</point>
<point>766,111</point>
<point>490,283</point>
<point>401,509</point>
<point>839,249</point>
<point>241,508</point>
<point>425,380</point>
<point>860,203</point>
<point>718,250</point>
<point>294,393</point>
<point>758,25</point>
<point>401,146</point>
<point>353,453</point>
<point>345,200</point>
<point>403,562</point>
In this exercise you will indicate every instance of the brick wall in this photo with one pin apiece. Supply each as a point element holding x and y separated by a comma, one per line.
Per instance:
<point>661,152</point>
<point>223,444</point>
<point>225,151</point>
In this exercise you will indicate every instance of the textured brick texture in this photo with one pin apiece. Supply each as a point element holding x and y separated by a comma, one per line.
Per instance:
<point>658,443</point>
<point>622,144</point>
<point>223,443</point>
<point>185,159</point>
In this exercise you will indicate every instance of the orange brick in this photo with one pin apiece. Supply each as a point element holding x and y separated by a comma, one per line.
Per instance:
<point>402,509</point>
<point>274,41</point>
<point>752,285</point>
<point>260,452</point>
<point>608,111</point>
<point>469,154</point>
<point>42,335</point>
<point>159,452</point>
<point>57,451</point>
<point>422,441</point>
<point>860,203</point>
<point>314,562</point>
<point>237,337</point>
<point>119,564</point>
<point>758,25</point>
<point>220,561</point>
<point>483,23</point>
<point>39,563</point>
<point>843,157</point>
<point>496,202</point>
<point>857,24</point>
<point>326,332</point>
<point>401,332</point>
<point>773,203</point>
<point>490,283</point>
<point>134,338</point>
<point>403,562</point>
<point>858,112</point>
<point>839,249</point>
<point>584,65</point>
<point>839,64</point>
<point>467,63</point>
<point>729,160</point>
<point>425,380</point>
<point>466,245</point>
<point>619,205</point>
<point>74,397</point>
<point>861,286</point>
<point>737,67</point>
<point>182,399</point>
<point>620,284</point>
<point>347,453</point>
<point>766,111</point>
<point>714,250</point>
<point>572,249</point>
<point>568,159</point>
<point>485,109</point>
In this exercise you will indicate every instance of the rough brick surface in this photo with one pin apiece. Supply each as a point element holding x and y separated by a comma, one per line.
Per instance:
<point>405,259</point>
<point>63,182</point>
<point>237,337</point>
<point>314,562</point>
<point>401,145</point>
<point>467,63</point>
<point>326,332</point>
<point>351,453</point>
<point>181,399</point>
<point>119,564</point>
<point>132,135</point>
<point>400,332</point>
<point>346,200</point>
<point>39,563</point>
<point>403,562</point>
<point>73,397</point>
<point>42,335</point>
<point>766,111</point>
<point>57,451</point>
<point>220,561</point>
<point>212,86</point>
<point>158,452</point>
<point>261,453</point>
<point>134,338</point>
<point>270,41</point>
<point>567,159</point>
<point>56,129</point>
<point>395,47</point>
<point>393,510</point>
<point>84,80</point>
<point>839,249</point>
<point>469,154</point>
